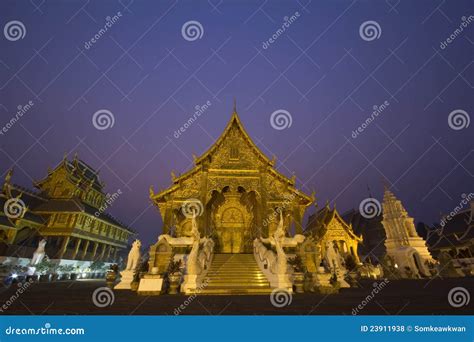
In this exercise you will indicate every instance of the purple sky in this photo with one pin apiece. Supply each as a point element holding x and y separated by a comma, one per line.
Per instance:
<point>320,70</point>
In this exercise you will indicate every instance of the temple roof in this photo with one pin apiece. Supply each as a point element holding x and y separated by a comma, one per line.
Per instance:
<point>77,170</point>
<point>76,205</point>
<point>318,223</point>
<point>38,204</point>
<point>234,123</point>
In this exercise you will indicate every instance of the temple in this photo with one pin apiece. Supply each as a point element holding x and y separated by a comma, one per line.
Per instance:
<point>236,221</point>
<point>239,190</point>
<point>68,210</point>
<point>328,226</point>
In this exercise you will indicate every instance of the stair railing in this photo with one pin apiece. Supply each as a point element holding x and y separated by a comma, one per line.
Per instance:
<point>273,264</point>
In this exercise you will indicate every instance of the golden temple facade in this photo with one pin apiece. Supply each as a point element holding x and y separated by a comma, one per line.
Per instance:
<point>236,223</point>
<point>69,210</point>
<point>235,191</point>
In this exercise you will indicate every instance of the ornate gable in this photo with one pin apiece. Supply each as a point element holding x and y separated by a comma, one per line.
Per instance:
<point>234,150</point>
<point>233,155</point>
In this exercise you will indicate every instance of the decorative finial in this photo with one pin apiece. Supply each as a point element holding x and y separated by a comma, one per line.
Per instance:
<point>194,158</point>
<point>8,176</point>
<point>235,105</point>
<point>152,192</point>
<point>173,175</point>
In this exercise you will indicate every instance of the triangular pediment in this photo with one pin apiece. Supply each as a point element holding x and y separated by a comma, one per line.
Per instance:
<point>233,153</point>
<point>234,149</point>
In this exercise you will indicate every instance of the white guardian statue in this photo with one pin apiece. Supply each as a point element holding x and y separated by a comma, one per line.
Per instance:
<point>134,256</point>
<point>39,254</point>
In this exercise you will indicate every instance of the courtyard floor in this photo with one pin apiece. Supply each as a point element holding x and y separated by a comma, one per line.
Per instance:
<point>398,297</point>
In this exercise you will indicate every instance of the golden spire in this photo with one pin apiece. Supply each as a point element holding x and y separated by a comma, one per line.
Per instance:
<point>9,175</point>
<point>152,191</point>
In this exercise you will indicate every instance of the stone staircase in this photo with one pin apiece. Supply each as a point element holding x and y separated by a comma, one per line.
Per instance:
<point>235,274</point>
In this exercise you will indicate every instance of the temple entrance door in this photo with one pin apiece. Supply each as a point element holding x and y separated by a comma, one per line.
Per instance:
<point>232,237</point>
<point>232,222</point>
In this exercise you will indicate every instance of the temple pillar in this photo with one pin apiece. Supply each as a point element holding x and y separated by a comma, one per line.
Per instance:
<point>84,252</point>
<point>263,201</point>
<point>115,254</point>
<point>167,219</point>
<point>94,250</point>
<point>102,252</point>
<point>76,248</point>
<point>298,219</point>
<point>63,248</point>
<point>109,252</point>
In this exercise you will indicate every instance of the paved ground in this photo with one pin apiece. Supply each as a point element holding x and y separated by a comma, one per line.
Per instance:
<point>403,297</point>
